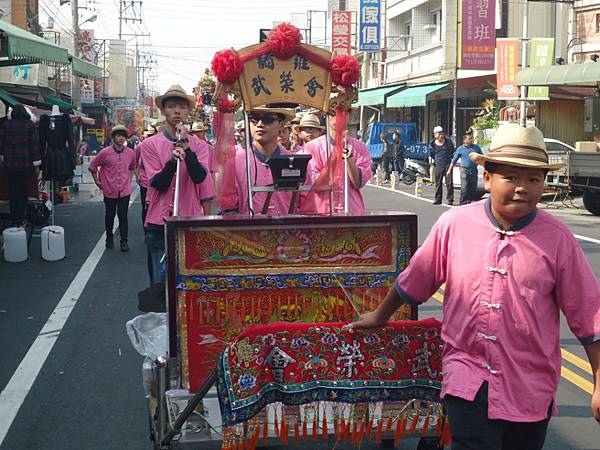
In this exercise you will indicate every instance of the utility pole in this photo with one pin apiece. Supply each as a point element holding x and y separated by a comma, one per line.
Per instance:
<point>76,82</point>
<point>124,7</point>
<point>524,40</point>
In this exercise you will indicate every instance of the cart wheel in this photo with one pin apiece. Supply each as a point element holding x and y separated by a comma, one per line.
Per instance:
<point>430,443</point>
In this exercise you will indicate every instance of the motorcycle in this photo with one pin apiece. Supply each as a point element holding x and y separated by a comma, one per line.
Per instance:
<point>414,168</point>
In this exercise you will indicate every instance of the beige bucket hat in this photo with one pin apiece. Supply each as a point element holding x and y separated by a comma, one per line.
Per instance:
<point>177,92</point>
<point>514,145</point>
<point>312,121</point>
<point>121,128</point>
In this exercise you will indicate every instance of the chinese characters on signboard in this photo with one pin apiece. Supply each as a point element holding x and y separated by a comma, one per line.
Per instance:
<point>541,53</point>
<point>508,65</point>
<point>340,32</point>
<point>369,29</point>
<point>267,79</point>
<point>478,34</point>
<point>86,52</point>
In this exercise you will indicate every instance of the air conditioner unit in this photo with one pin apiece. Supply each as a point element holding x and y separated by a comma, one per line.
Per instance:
<point>430,26</point>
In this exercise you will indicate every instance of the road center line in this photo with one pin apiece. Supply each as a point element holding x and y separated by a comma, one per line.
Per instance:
<point>18,387</point>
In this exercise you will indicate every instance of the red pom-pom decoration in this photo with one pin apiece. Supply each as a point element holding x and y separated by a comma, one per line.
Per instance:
<point>284,41</point>
<point>227,66</point>
<point>226,105</point>
<point>345,70</point>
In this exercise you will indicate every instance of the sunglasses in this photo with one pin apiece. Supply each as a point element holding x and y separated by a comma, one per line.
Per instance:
<point>267,120</point>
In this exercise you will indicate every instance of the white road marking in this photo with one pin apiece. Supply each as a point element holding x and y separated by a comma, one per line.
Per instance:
<point>18,387</point>
<point>577,236</point>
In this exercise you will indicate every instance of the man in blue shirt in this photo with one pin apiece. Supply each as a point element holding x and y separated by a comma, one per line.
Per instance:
<point>468,169</point>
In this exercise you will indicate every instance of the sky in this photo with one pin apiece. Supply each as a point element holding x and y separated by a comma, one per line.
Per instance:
<point>185,34</point>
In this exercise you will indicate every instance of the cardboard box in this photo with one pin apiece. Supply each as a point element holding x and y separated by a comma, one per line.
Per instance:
<point>585,146</point>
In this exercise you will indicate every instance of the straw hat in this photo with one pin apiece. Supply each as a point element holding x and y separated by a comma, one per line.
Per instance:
<point>119,128</point>
<point>311,120</point>
<point>177,92</point>
<point>514,145</point>
<point>288,114</point>
<point>199,126</point>
<point>150,131</point>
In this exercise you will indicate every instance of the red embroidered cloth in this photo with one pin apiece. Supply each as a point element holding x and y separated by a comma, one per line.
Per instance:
<point>300,363</point>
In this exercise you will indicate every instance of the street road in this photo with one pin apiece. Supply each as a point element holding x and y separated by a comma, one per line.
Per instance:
<point>73,381</point>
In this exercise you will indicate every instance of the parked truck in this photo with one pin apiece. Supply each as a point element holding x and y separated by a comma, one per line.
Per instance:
<point>408,134</point>
<point>580,173</point>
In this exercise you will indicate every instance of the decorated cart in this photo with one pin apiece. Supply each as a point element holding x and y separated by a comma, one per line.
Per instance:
<point>259,350</point>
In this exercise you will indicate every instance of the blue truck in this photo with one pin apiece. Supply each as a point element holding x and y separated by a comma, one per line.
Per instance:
<point>408,134</point>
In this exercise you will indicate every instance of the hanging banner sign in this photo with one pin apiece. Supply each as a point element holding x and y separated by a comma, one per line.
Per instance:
<point>478,35</point>
<point>267,79</point>
<point>340,32</point>
<point>507,68</point>
<point>370,26</point>
<point>541,53</point>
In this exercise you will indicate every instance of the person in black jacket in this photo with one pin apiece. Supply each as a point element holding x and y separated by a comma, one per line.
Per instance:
<point>398,152</point>
<point>387,156</point>
<point>441,150</point>
<point>19,146</point>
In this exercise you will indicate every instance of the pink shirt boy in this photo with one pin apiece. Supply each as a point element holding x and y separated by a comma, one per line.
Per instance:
<point>235,187</point>
<point>114,171</point>
<point>318,149</point>
<point>504,292</point>
<point>156,152</point>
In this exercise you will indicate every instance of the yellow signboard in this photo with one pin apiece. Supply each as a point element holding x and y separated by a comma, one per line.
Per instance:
<point>266,79</point>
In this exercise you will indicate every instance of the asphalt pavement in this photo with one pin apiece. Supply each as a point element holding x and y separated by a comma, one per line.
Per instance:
<point>88,392</point>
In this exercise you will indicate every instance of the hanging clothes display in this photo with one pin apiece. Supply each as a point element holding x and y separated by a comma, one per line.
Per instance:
<point>58,148</point>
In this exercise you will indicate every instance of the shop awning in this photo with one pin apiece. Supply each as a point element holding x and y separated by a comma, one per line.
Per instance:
<point>85,69</point>
<point>413,96</point>
<point>583,74</point>
<point>8,99</point>
<point>58,102</point>
<point>377,96</point>
<point>23,47</point>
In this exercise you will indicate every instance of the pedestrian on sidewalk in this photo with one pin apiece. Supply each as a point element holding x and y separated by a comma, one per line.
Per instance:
<point>398,152</point>
<point>388,154</point>
<point>441,150</point>
<point>116,165</point>
<point>507,278</point>
<point>160,154</point>
<point>20,149</point>
<point>468,169</point>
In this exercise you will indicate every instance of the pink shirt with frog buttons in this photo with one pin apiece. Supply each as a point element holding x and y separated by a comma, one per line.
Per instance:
<point>156,153</point>
<point>504,292</point>
<point>114,171</point>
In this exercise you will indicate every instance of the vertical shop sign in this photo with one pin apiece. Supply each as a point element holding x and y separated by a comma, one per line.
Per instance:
<point>507,68</point>
<point>541,53</point>
<point>478,34</point>
<point>370,30</point>
<point>340,32</point>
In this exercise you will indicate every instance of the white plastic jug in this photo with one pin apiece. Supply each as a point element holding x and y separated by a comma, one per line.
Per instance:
<point>53,243</point>
<point>15,244</point>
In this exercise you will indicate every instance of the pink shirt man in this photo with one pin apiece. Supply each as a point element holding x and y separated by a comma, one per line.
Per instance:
<point>156,152</point>
<point>318,149</point>
<point>141,170</point>
<point>114,171</point>
<point>504,291</point>
<point>235,187</point>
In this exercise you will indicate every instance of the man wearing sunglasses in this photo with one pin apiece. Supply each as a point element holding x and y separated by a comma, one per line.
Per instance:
<point>265,128</point>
